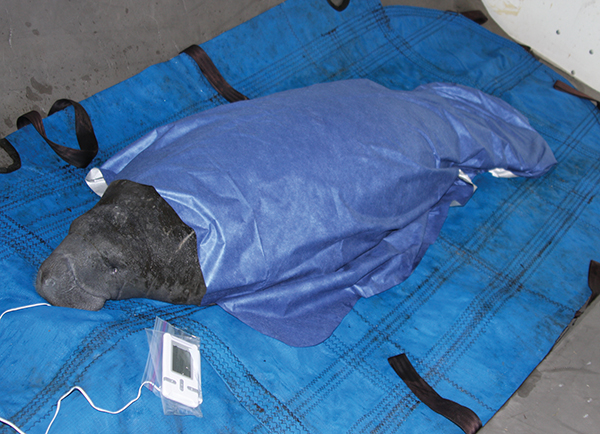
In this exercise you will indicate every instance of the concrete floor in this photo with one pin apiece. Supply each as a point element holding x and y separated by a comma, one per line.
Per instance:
<point>63,49</point>
<point>562,395</point>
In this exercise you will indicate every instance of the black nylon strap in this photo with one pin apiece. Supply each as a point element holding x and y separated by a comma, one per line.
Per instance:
<point>339,5</point>
<point>476,16</point>
<point>462,416</point>
<point>564,87</point>
<point>594,279</point>
<point>594,285</point>
<point>212,74</point>
<point>84,131</point>
<point>9,157</point>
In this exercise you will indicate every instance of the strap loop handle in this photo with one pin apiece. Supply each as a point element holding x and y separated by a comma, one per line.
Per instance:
<point>84,131</point>
<point>339,6</point>
<point>212,74</point>
<point>9,157</point>
<point>564,87</point>
<point>462,416</point>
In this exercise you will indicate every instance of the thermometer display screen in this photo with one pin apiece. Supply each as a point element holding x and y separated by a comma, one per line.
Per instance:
<point>182,361</point>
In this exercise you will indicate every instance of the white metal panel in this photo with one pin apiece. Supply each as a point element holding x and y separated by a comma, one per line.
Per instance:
<point>563,32</point>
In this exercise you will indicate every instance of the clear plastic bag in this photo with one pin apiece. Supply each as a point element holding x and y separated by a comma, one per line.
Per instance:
<point>173,369</point>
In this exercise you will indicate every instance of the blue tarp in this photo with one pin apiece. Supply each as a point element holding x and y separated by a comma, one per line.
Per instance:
<point>480,311</point>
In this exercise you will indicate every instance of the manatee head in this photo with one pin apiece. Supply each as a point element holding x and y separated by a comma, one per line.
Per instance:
<point>131,244</point>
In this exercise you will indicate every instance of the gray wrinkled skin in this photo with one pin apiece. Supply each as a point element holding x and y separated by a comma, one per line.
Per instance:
<point>131,244</point>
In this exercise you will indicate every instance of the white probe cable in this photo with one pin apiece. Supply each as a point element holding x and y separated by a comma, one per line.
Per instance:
<point>89,400</point>
<point>12,425</point>
<point>85,395</point>
<point>14,309</point>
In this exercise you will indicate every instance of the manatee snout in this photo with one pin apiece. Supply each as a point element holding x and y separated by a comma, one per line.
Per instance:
<point>131,244</point>
<point>57,282</point>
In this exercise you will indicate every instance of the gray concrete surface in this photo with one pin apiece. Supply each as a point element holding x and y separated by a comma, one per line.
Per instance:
<point>562,395</point>
<point>52,49</point>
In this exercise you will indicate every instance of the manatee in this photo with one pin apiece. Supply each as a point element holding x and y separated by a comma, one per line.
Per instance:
<point>297,203</point>
<point>131,244</point>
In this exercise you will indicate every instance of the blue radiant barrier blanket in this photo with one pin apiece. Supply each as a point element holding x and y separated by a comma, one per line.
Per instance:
<point>306,200</point>
<point>483,307</point>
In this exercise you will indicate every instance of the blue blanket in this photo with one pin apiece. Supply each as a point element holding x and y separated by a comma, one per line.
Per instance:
<point>477,315</point>
<point>306,200</point>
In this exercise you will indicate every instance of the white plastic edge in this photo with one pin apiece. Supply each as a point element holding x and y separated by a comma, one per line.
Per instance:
<point>95,180</point>
<point>502,173</point>
<point>463,176</point>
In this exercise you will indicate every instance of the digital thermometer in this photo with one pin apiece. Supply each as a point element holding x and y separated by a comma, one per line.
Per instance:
<point>181,371</point>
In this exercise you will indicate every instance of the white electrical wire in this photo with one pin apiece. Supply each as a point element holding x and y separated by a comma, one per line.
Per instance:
<point>12,425</point>
<point>89,400</point>
<point>14,309</point>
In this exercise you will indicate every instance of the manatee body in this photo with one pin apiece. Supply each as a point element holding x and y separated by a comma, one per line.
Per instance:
<point>131,244</point>
<point>298,203</point>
